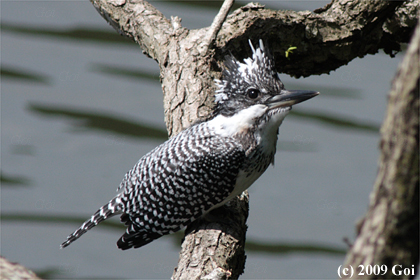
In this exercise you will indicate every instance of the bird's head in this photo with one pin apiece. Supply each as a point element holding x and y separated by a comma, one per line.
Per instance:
<point>253,89</point>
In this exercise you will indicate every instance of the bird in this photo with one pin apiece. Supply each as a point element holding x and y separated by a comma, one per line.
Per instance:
<point>209,163</point>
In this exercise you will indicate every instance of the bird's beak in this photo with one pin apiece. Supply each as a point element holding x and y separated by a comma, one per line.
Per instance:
<point>288,98</point>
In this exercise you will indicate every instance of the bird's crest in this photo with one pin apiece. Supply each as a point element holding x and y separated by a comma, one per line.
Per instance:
<point>256,71</point>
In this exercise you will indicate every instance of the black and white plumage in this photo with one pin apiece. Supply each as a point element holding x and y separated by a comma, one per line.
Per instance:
<point>209,163</point>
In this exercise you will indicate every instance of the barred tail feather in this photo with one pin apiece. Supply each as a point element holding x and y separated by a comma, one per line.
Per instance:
<point>135,236</point>
<point>107,211</point>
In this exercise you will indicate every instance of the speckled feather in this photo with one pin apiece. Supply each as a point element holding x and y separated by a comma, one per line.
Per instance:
<point>205,165</point>
<point>177,183</point>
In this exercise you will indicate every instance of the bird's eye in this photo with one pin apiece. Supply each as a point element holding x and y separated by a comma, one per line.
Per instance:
<point>253,93</point>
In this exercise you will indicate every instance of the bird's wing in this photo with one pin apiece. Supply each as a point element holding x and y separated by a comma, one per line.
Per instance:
<point>177,183</point>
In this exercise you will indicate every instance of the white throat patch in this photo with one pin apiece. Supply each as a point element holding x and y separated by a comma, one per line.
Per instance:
<point>240,122</point>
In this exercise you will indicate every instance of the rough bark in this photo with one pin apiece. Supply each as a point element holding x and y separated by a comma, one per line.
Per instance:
<point>325,40</point>
<point>388,235</point>
<point>215,249</point>
<point>9,270</point>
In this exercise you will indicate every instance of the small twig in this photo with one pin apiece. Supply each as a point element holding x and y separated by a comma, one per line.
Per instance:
<point>217,24</point>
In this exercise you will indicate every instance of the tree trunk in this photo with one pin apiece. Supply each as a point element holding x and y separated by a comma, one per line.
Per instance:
<point>388,236</point>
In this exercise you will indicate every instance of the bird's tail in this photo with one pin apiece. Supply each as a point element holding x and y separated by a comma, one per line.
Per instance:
<point>108,210</point>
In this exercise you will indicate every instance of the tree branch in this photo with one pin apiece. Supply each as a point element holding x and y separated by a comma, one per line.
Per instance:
<point>389,233</point>
<point>325,40</point>
<point>9,270</point>
<point>142,23</point>
<point>217,23</point>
